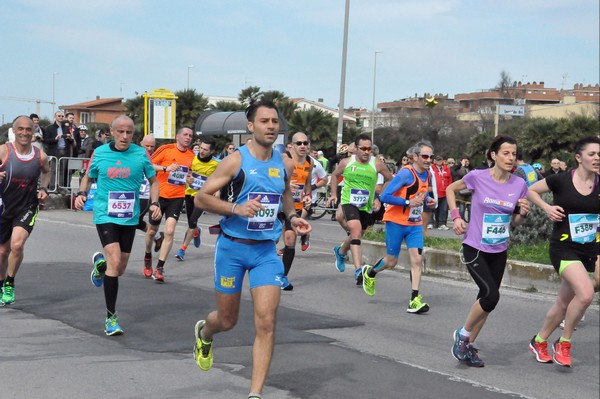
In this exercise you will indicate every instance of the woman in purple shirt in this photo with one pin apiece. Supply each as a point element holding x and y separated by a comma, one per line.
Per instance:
<point>499,198</point>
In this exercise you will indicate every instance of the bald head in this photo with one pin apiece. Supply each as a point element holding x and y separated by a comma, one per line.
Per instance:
<point>148,142</point>
<point>121,118</point>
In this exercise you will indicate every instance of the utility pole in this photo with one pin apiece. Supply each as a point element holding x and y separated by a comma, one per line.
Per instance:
<point>343,78</point>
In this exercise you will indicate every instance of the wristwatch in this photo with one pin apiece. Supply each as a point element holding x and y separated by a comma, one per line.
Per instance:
<point>406,202</point>
<point>164,168</point>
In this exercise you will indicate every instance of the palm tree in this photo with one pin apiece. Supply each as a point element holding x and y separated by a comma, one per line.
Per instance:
<point>227,106</point>
<point>189,107</point>
<point>287,108</point>
<point>249,95</point>
<point>274,95</point>
<point>319,126</point>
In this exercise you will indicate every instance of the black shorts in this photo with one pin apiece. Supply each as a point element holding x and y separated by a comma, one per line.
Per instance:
<point>111,232</point>
<point>170,208</point>
<point>25,219</point>
<point>353,213</point>
<point>193,213</point>
<point>560,252</point>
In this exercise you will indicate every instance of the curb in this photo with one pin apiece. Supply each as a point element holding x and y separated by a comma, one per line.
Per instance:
<point>526,276</point>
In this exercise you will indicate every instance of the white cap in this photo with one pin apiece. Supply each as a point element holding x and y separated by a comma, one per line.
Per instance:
<point>319,152</point>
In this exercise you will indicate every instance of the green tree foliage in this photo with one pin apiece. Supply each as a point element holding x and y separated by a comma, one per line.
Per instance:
<point>544,139</point>
<point>274,95</point>
<point>249,95</point>
<point>190,105</point>
<point>287,108</point>
<point>320,127</point>
<point>227,106</point>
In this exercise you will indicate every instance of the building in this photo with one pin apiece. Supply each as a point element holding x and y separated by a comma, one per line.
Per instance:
<point>100,110</point>
<point>304,104</point>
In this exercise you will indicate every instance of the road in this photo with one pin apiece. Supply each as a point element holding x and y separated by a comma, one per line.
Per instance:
<point>332,340</point>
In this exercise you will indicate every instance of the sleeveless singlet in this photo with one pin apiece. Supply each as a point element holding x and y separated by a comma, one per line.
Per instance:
<point>20,183</point>
<point>359,184</point>
<point>255,177</point>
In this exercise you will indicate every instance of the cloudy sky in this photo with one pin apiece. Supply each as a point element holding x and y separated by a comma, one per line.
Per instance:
<point>115,48</point>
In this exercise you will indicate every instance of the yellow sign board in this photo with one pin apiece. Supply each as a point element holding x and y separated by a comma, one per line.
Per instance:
<point>159,113</point>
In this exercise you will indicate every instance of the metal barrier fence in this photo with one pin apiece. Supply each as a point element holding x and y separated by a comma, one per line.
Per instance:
<point>66,173</point>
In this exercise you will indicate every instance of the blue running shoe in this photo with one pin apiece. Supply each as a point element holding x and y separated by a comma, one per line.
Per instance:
<point>339,259</point>
<point>459,348</point>
<point>180,254</point>
<point>99,269</point>
<point>198,237</point>
<point>112,327</point>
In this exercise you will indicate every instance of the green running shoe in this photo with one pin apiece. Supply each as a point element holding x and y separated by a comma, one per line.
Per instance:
<point>112,327</point>
<point>203,354</point>
<point>8,294</point>
<point>368,283</point>
<point>417,305</point>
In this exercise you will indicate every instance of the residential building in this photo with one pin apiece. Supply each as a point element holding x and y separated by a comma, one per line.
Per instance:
<point>100,110</point>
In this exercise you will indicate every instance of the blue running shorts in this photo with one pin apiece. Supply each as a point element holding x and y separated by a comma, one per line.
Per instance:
<point>233,259</point>
<point>396,233</point>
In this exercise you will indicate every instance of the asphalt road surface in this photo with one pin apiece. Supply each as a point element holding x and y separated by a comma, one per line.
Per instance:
<point>332,340</point>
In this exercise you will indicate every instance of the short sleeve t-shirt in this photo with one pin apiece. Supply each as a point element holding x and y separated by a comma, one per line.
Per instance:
<point>119,175</point>
<point>492,205</point>
<point>172,184</point>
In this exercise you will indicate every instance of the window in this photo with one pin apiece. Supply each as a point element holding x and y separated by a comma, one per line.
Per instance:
<point>84,117</point>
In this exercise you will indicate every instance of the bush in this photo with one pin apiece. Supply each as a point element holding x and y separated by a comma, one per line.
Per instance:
<point>536,230</point>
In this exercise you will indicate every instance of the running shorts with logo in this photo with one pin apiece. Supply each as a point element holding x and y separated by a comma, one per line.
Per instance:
<point>25,219</point>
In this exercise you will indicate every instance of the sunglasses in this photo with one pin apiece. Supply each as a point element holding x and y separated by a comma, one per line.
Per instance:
<point>426,156</point>
<point>364,148</point>
<point>299,143</point>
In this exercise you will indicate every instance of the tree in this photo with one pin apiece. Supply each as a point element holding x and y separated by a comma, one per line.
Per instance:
<point>190,106</point>
<point>320,127</point>
<point>227,106</point>
<point>249,95</point>
<point>287,108</point>
<point>274,95</point>
<point>504,84</point>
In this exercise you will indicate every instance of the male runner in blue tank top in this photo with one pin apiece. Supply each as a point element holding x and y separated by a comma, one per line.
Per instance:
<point>255,187</point>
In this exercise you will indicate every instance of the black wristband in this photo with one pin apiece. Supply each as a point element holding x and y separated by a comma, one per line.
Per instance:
<point>313,187</point>
<point>155,203</point>
<point>293,215</point>
<point>84,193</point>
<point>517,210</point>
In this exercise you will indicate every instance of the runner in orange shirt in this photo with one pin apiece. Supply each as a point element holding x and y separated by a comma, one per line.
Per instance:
<point>172,163</point>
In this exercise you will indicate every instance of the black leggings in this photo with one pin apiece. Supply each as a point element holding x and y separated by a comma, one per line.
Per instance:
<point>487,270</point>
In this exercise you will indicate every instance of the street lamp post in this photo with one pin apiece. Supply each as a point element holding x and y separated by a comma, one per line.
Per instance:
<point>373,109</point>
<point>53,90</point>
<point>188,80</point>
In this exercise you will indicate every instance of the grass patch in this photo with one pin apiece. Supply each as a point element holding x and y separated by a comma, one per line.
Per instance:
<point>537,253</point>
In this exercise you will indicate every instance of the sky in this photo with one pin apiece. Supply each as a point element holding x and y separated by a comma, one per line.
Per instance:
<point>73,51</point>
